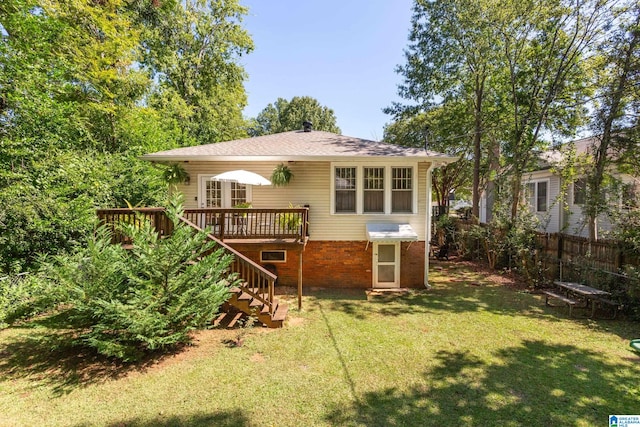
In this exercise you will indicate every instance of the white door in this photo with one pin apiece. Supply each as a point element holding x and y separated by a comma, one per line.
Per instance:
<point>217,194</point>
<point>386,265</point>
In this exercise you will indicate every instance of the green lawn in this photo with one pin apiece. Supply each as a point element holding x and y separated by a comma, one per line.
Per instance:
<point>471,351</point>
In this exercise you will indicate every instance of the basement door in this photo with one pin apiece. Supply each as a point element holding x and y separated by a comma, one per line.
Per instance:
<point>386,265</point>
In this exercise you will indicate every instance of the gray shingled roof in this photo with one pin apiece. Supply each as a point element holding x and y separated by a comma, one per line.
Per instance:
<point>294,145</point>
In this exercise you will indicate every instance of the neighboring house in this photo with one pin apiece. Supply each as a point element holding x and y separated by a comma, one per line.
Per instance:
<point>368,205</point>
<point>562,210</point>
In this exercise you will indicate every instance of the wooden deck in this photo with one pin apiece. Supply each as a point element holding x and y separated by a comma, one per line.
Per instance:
<point>255,295</point>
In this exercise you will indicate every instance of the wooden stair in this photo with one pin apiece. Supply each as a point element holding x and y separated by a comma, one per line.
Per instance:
<point>246,301</point>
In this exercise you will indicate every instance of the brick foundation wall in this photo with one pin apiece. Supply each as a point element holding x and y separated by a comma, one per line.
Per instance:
<point>340,264</point>
<point>337,264</point>
<point>412,264</point>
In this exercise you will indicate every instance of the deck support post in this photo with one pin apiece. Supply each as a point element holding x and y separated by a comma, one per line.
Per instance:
<point>427,226</point>
<point>300,281</point>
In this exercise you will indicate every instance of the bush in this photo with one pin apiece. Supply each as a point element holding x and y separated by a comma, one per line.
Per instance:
<point>126,303</point>
<point>25,295</point>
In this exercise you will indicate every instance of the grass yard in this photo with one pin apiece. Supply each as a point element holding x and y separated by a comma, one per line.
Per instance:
<point>472,351</point>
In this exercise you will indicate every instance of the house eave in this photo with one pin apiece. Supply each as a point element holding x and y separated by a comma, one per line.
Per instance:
<point>170,158</point>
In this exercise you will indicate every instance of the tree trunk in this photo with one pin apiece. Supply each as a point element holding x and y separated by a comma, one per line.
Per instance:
<point>607,116</point>
<point>477,139</point>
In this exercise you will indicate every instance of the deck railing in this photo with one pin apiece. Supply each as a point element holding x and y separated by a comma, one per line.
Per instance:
<point>254,279</point>
<point>250,223</point>
<point>225,224</point>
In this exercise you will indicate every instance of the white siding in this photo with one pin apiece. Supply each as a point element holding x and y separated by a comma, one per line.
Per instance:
<point>551,219</point>
<point>311,185</point>
<point>577,222</point>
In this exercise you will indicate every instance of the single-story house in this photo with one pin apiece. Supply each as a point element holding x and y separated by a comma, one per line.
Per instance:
<point>559,205</point>
<point>367,205</point>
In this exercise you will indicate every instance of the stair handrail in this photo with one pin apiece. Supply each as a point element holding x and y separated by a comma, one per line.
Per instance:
<point>257,281</point>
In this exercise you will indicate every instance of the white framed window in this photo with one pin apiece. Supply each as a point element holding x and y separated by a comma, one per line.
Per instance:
<point>238,193</point>
<point>537,195</point>
<point>373,189</point>
<point>630,199</point>
<point>401,190</point>
<point>579,191</point>
<point>345,189</point>
<point>220,194</point>
<point>273,256</point>
<point>212,194</point>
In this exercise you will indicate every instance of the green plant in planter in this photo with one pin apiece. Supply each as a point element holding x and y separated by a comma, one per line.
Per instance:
<point>243,205</point>
<point>290,220</point>
<point>175,174</point>
<point>281,175</point>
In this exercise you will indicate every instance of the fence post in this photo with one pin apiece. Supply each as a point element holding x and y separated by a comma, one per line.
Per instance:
<point>560,245</point>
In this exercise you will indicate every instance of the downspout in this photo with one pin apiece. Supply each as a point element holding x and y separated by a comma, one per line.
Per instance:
<point>427,232</point>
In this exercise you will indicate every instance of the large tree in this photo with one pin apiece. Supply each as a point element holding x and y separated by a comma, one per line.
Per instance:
<point>193,48</point>
<point>544,44</point>
<point>88,86</point>
<point>432,130</point>
<point>283,115</point>
<point>450,57</point>
<point>518,66</point>
<point>617,87</point>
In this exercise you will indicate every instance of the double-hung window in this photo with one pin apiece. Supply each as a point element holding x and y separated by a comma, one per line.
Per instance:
<point>579,191</point>
<point>374,189</point>
<point>373,192</point>
<point>536,194</point>
<point>402,190</point>
<point>345,185</point>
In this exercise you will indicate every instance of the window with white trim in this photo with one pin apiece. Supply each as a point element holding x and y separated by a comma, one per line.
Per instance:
<point>401,190</point>
<point>213,194</point>
<point>273,256</point>
<point>536,195</point>
<point>238,194</point>
<point>345,190</point>
<point>579,191</point>
<point>371,189</point>
<point>221,194</point>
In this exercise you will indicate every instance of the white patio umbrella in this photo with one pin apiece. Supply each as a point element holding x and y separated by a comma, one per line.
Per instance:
<point>242,177</point>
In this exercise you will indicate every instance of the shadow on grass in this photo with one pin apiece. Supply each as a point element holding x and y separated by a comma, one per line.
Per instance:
<point>50,354</point>
<point>219,419</point>
<point>533,384</point>
<point>462,288</point>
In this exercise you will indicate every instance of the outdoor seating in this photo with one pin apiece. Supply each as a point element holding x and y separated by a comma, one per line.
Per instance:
<point>573,293</point>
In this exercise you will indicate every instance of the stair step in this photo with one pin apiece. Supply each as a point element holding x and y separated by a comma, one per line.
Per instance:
<point>235,319</point>
<point>220,318</point>
<point>281,313</point>
<point>228,318</point>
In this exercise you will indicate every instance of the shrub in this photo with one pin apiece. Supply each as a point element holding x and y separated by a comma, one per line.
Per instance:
<point>128,302</point>
<point>25,295</point>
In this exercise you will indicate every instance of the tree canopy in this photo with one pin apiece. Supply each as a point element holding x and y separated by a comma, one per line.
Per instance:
<point>283,116</point>
<point>520,70</point>
<point>85,88</point>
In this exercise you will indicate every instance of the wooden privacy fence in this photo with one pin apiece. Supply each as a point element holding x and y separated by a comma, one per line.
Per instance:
<point>607,255</point>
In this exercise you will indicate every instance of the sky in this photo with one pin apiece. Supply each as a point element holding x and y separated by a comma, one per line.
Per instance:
<point>342,53</point>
